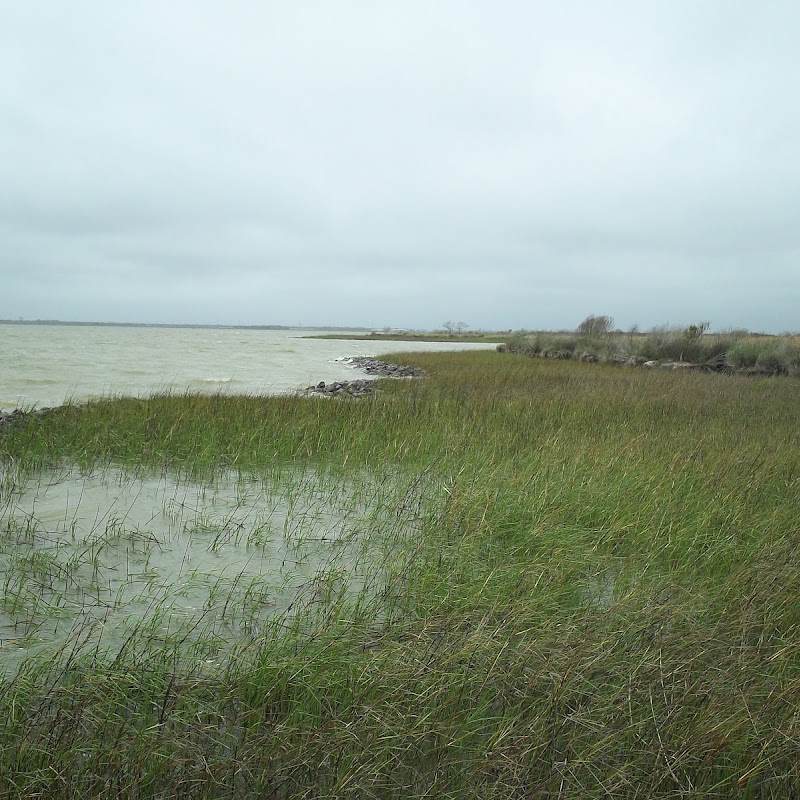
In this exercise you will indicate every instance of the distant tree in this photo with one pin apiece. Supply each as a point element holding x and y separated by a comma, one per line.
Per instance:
<point>449,326</point>
<point>461,327</point>
<point>595,325</point>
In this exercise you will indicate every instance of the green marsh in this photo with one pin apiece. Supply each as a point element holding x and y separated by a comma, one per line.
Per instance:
<point>515,578</point>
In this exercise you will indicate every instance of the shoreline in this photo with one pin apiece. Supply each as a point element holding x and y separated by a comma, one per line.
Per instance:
<point>361,387</point>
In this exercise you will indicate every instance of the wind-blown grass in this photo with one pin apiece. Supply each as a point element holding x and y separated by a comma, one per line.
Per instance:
<point>599,598</point>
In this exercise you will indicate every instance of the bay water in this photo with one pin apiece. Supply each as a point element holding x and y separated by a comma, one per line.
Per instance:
<point>97,559</point>
<point>46,365</point>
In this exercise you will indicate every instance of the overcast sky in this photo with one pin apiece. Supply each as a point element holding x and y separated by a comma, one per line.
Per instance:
<point>508,164</point>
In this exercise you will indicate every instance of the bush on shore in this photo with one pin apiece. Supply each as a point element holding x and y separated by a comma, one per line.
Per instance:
<point>734,350</point>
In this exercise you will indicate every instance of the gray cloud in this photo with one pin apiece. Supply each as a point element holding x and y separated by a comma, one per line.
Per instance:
<point>400,163</point>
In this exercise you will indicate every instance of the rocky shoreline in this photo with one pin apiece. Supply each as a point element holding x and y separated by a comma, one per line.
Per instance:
<point>10,419</point>
<point>363,386</point>
<point>357,388</point>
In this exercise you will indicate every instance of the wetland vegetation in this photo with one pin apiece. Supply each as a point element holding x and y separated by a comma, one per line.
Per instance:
<point>513,578</point>
<point>731,350</point>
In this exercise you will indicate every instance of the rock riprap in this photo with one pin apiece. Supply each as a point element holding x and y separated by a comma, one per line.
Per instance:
<point>357,388</point>
<point>362,387</point>
<point>10,419</point>
<point>383,369</point>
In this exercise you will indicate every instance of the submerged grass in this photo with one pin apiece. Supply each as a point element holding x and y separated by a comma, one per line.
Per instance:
<point>599,598</point>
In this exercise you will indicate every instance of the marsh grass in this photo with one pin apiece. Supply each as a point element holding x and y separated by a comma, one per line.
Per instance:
<point>217,556</point>
<point>598,597</point>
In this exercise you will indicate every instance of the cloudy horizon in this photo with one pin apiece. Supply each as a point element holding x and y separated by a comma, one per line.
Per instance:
<point>513,165</point>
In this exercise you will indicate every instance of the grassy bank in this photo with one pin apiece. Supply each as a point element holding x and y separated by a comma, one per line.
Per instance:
<point>589,590</point>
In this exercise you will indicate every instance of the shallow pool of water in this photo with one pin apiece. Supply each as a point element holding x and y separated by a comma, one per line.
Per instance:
<point>106,556</point>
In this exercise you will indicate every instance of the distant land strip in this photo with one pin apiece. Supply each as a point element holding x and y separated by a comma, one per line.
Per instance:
<point>183,325</point>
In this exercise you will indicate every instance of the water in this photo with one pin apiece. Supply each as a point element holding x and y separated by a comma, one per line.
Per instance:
<point>45,365</point>
<point>104,557</point>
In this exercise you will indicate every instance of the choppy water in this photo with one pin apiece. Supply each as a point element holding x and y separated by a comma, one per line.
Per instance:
<point>44,365</point>
<point>98,559</point>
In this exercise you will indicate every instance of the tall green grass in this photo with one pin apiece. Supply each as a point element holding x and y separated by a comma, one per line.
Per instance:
<point>599,599</point>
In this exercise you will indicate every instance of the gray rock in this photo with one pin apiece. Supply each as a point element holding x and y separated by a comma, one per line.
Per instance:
<point>17,417</point>
<point>362,388</point>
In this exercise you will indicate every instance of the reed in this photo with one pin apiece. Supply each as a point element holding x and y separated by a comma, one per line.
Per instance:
<point>562,580</point>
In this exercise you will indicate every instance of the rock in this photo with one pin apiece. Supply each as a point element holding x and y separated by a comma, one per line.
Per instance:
<point>373,366</point>
<point>667,364</point>
<point>362,387</point>
<point>17,417</point>
<point>677,365</point>
<point>358,388</point>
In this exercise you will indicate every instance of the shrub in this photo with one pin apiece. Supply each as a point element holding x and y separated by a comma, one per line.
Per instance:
<point>680,344</point>
<point>771,359</point>
<point>744,354</point>
<point>524,344</point>
<point>595,325</point>
<point>694,347</point>
<point>720,344</point>
<point>791,360</point>
<point>562,344</point>
<point>736,347</point>
<point>661,343</point>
